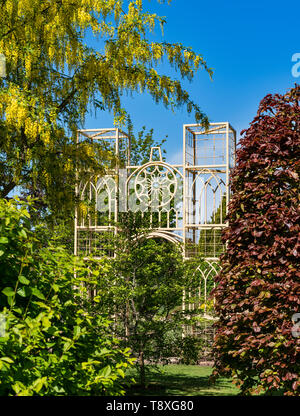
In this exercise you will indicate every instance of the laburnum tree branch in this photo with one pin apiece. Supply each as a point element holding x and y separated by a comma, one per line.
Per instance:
<point>54,78</point>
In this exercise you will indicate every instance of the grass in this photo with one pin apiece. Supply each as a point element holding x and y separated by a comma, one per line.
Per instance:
<point>182,380</point>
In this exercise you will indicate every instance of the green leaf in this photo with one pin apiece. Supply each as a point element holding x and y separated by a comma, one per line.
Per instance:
<point>3,240</point>
<point>55,287</point>
<point>67,345</point>
<point>41,305</point>
<point>7,360</point>
<point>36,292</point>
<point>121,372</point>
<point>22,233</point>
<point>106,371</point>
<point>104,351</point>
<point>38,384</point>
<point>46,322</point>
<point>8,291</point>
<point>18,310</point>
<point>68,302</point>
<point>52,330</point>
<point>59,389</point>
<point>24,291</point>
<point>10,300</point>
<point>23,280</point>
<point>77,331</point>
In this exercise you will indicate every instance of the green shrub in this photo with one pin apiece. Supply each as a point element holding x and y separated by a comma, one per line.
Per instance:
<point>52,343</point>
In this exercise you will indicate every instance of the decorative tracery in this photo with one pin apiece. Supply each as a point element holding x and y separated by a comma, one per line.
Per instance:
<point>156,185</point>
<point>185,203</point>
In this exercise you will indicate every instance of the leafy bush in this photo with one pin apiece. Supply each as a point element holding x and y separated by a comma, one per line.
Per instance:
<point>190,347</point>
<point>53,342</point>
<point>145,281</point>
<point>258,289</point>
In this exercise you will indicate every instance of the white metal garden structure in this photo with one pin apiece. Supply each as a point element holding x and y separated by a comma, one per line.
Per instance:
<point>186,203</point>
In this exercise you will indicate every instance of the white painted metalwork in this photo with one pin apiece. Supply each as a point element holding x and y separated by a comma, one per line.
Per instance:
<point>184,203</point>
<point>2,66</point>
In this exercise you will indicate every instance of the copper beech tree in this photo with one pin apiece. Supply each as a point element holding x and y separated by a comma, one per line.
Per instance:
<point>258,289</point>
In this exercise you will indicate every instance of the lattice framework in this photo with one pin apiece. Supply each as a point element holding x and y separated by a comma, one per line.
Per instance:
<point>184,203</point>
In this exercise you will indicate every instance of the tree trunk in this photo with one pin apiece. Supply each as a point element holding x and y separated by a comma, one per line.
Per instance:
<point>127,333</point>
<point>142,369</point>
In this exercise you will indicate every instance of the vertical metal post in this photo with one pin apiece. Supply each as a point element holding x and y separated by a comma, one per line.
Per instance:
<point>227,167</point>
<point>117,177</point>
<point>184,217</point>
<point>234,147</point>
<point>76,197</point>
<point>194,190</point>
<point>184,191</point>
<point>2,66</point>
<point>128,150</point>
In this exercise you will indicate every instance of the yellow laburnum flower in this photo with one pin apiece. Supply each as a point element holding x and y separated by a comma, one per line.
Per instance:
<point>46,137</point>
<point>28,65</point>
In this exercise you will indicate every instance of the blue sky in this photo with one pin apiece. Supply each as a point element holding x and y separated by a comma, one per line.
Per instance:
<point>249,44</point>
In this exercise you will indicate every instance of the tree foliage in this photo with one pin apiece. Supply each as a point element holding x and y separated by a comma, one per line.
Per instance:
<point>258,289</point>
<point>66,58</point>
<point>145,281</point>
<point>140,145</point>
<point>51,341</point>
